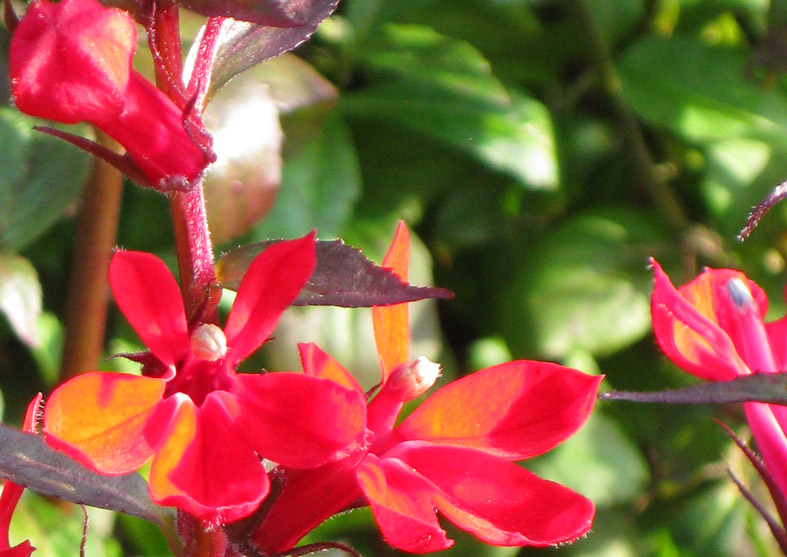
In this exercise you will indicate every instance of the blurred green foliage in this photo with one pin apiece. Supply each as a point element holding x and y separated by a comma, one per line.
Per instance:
<point>541,151</point>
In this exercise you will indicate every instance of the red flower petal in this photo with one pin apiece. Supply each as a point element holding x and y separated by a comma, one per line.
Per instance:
<point>149,297</point>
<point>500,502</point>
<point>515,410</point>
<point>271,283</point>
<point>24,549</point>
<point>300,421</point>
<point>308,498</point>
<point>687,323</point>
<point>70,61</point>
<point>391,323</point>
<point>318,363</point>
<point>402,506</point>
<point>205,466</point>
<point>107,421</point>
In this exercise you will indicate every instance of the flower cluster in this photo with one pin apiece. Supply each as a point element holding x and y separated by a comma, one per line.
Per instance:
<point>714,328</point>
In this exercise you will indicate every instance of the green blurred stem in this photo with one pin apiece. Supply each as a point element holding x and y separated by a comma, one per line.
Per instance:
<point>88,292</point>
<point>654,180</point>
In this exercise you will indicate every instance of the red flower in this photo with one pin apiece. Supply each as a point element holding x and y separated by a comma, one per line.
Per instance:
<point>713,328</point>
<point>12,492</point>
<point>452,454</point>
<point>205,426</point>
<point>71,62</point>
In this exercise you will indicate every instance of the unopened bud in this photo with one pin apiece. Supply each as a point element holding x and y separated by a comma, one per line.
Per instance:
<point>412,379</point>
<point>740,294</point>
<point>208,342</point>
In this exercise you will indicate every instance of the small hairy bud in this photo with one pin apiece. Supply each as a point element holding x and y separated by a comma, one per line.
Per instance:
<point>208,342</point>
<point>412,379</point>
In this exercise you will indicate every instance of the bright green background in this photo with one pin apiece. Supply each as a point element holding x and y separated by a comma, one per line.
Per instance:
<point>540,151</point>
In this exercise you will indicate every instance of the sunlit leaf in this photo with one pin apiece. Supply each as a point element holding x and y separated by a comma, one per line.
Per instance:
<point>20,296</point>
<point>342,277</point>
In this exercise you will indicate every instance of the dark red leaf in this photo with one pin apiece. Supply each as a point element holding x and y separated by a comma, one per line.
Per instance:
<point>343,277</point>
<point>27,460</point>
<point>758,387</point>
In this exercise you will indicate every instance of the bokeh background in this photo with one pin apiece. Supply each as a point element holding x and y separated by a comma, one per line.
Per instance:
<point>541,151</point>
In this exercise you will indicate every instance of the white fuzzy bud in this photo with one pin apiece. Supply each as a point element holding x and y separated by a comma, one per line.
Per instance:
<point>208,342</point>
<point>412,379</point>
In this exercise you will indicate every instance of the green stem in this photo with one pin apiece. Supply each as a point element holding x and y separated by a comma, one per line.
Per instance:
<point>86,303</point>
<point>655,182</point>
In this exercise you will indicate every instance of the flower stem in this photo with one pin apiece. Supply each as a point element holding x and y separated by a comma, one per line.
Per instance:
<point>86,303</point>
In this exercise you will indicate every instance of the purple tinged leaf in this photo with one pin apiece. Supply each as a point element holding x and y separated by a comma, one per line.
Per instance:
<point>273,13</point>
<point>249,40</point>
<point>27,460</point>
<point>20,297</point>
<point>758,387</point>
<point>342,277</point>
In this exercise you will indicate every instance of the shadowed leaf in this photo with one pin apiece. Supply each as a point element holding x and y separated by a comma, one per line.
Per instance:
<point>342,277</point>
<point>759,387</point>
<point>27,460</point>
<point>244,44</point>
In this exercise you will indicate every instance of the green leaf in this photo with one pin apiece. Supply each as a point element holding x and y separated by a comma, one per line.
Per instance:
<point>320,185</point>
<point>20,297</point>
<point>612,470</point>
<point>583,287</point>
<point>701,93</point>
<point>41,176</point>
<point>444,88</point>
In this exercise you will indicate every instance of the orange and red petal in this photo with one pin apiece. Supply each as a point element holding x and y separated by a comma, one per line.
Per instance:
<point>300,421</point>
<point>205,466</point>
<point>515,410</point>
<point>497,501</point>
<point>391,323</point>
<point>689,323</point>
<point>149,297</point>
<point>110,422</point>
<point>271,283</point>
<point>401,501</point>
<point>318,363</point>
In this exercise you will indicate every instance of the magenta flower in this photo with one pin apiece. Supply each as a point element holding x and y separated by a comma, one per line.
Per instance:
<point>453,454</point>
<point>713,327</point>
<point>71,62</point>
<point>205,426</point>
<point>12,492</point>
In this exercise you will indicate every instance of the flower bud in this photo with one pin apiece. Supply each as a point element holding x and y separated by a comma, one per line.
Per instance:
<point>412,379</point>
<point>208,342</point>
<point>740,295</point>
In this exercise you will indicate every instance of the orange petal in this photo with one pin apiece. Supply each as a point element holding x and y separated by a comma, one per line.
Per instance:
<point>320,364</point>
<point>104,420</point>
<point>391,323</point>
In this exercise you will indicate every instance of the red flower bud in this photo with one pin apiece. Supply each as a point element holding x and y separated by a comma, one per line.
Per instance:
<point>71,62</point>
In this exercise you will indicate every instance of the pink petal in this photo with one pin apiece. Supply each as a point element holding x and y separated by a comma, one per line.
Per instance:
<point>205,466</point>
<point>687,324</point>
<point>107,421</point>
<point>391,323</point>
<point>402,506</point>
<point>515,410</point>
<point>300,421</point>
<point>500,502</point>
<point>149,297</point>
<point>771,439</point>
<point>270,285</point>
<point>319,363</point>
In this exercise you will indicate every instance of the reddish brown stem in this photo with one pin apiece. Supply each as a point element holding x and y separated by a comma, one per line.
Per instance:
<point>88,292</point>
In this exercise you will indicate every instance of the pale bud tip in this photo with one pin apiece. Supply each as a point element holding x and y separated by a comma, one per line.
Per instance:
<point>208,342</point>
<point>740,294</point>
<point>412,379</point>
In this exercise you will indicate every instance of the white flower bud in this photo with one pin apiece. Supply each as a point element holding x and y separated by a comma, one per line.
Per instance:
<point>412,379</point>
<point>208,342</point>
